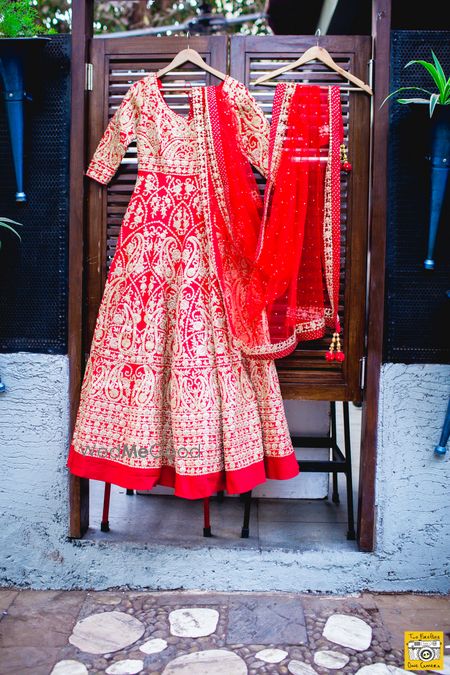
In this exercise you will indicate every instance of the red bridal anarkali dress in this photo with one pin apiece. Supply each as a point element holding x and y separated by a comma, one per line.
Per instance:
<point>168,396</point>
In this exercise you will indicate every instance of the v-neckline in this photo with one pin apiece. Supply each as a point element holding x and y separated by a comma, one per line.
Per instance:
<point>189,118</point>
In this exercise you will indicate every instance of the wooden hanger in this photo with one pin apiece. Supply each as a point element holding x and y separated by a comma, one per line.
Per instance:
<point>190,56</point>
<point>325,57</point>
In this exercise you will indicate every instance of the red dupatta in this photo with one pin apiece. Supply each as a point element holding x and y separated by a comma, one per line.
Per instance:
<point>297,268</point>
<point>278,267</point>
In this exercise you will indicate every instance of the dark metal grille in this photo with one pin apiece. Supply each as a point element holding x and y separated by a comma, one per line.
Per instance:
<point>33,272</point>
<point>417,306</point>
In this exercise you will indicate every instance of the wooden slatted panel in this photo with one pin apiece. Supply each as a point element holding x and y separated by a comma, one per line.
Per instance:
<point>306,373</point>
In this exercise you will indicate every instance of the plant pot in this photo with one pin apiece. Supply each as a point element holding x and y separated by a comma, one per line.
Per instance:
<point>14,53</point>
<point>440,164</point>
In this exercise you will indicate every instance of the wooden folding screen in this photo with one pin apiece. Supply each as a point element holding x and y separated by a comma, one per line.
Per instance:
<point>119,62</point>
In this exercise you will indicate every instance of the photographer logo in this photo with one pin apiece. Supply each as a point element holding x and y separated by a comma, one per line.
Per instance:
<point>424,650</point>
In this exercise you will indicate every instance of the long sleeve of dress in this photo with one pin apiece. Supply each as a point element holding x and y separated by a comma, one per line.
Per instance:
<point>118,135</point>
<point>254,128</point>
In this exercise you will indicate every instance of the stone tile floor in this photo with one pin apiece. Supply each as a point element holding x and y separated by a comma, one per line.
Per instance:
<point>280,523</point>
<point>207,633</point>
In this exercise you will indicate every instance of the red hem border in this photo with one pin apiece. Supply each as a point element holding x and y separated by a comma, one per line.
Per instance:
<point>188,487</point>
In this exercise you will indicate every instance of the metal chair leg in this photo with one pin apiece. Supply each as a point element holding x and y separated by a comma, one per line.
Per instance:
<point>104,525</point>
<point>206,518</point>
<point>351,534</point>
<point>247,498</point>
<point>335,494</point>
<point>130,492</point>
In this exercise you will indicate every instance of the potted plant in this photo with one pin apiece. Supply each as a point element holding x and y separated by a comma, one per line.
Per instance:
<point>438,103</point>
<point>20,36</point>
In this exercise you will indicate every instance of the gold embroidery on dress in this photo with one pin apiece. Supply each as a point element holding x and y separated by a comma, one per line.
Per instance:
<point>164,371</point>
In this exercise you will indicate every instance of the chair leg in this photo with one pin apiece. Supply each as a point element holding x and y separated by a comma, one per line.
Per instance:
<point>351,534</point>
<point>206,518</point>
<point>104,525</point>
<point>247,498</point>
<point>130,492</point>
<point>220,496</point>
<point>335,493</point>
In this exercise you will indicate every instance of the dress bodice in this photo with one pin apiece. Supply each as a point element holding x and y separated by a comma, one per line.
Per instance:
<point>167,141</point>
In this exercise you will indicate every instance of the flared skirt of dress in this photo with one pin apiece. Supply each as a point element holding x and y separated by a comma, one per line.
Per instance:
<point>167,397</point>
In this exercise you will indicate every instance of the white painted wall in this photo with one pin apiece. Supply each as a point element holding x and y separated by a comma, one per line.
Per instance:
<point>412,497</point>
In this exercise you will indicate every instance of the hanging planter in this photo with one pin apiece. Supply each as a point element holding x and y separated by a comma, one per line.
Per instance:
<point>440,164</point>
<point>19,44</point>
<point>438,103</point>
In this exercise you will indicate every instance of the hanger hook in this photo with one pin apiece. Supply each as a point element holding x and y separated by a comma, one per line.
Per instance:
<point>317,34</point>
<point>188,36</point>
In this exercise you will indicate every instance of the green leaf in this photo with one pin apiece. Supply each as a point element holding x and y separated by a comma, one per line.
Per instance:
<point>8,220</point>
<point>20,18</point>
<point>8,227</point>
<point>439,68</point>
<point>433,101</point>
<point>413,100</point>
<point>440,83</point>
<point>404,89</point>
<point>445,96</point>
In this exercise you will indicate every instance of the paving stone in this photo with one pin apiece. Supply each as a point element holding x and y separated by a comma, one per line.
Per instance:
<point>348,631</point>
<point>411,601</point>
<point>192,598</point>
<point>153,646</point>
<point>380,669</point>
<point>327,658</point>
<point>41,618</point>
<point>271,655</point>
<point>7,596</point>
<point>106,632</point>
<point>107,598</point>
<point>266,620</point>
<point>28,660</point>
<point>446,670</point>
<point>367,600</point>
<point>300,668</point>
<point>396,618</point>
<point>69,667</point>
<point>125,667</point>
<point>210,662</point>
<point>193,621</point>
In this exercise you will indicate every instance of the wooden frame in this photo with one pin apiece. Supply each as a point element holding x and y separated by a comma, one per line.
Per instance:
<point>82,22</point>
<point>381,30</point>
<point>82,18</point>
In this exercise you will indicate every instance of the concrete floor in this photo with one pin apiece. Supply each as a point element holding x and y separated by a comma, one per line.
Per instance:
<point>301,524</point>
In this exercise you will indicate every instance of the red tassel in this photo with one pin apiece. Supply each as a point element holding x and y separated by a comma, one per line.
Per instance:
<point>345,164</point>
<point>334,352</point>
